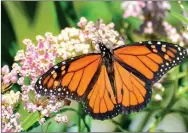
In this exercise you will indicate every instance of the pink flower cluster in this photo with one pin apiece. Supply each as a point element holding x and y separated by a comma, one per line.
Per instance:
<point>60,118</point>
<point>10,122</point>
<point>8,76</point>
<point>153,14</point>
<point>175,36</point>
<point>132,8</point>
<point>135,8</point>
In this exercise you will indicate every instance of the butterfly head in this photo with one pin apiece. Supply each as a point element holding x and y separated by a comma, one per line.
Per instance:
<point>104,50</point>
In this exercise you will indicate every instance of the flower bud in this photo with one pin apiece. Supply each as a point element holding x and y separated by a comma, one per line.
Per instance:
<point>5,69</point>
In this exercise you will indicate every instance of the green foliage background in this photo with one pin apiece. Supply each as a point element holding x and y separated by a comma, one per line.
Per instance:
<point>22,20</point>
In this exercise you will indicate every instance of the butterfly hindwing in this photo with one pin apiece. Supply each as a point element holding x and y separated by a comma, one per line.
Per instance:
<point>101,99</point>
<point>133,93</point>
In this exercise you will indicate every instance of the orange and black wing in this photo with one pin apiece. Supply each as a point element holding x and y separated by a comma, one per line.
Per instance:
<point>101,101</point>
<point>72,78</point>
<point>150,59</point>
<point>138,66</point>
<point>132,92</point>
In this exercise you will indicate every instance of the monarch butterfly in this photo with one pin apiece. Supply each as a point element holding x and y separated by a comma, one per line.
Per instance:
<point>112,81</point>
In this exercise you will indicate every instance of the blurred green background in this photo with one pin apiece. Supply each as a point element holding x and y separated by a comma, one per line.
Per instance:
<point>22,20</point>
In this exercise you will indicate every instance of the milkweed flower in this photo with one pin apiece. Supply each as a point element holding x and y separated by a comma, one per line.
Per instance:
<point>158,87</point>
<point>174,35</point>
<point>158,90</point>
<point>158,97</point>
<point>5,70</point>
<point>8,77</point>
<point>10,122</point>
<point>61,118</point>
<point>11,98</point>
<point>132,8</point>
<point>42,121</point>
<point>151,12</point>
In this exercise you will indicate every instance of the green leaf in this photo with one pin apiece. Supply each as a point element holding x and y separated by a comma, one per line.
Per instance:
<point>93,10</point>
<point>102,126</point>
<point>45,20</point>
<point>27,119</point>
<point>19,20</point>
<point>30,120</point>
<point>68,14</point>
<point>150,120</point>
<point>138,121</point>
<point>115,8</point>
<point>172,122</point>
<point>184,68</point>
<point>181,105</point>
<point>58,60</point>
<point>88,120</point>
<point>27,80</point>
<point>180,17</point>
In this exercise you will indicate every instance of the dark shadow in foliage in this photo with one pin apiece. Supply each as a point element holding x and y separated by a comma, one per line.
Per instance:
<point>7,37</point>
<point>64,10</point>
<point>30,7</point>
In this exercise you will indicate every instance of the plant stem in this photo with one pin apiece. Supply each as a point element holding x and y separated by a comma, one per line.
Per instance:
<point>48,126</point>
<point>41,128</point>
<point>146,119</point>
<point>79,117</point>
<point>118,126</point>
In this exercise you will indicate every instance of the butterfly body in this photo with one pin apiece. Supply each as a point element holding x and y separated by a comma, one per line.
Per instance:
<point>112,81</point>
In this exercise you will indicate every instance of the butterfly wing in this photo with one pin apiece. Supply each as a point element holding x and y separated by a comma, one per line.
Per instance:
<point>132,92</point>
<point>72,78</point>
<point>151,59</point>
<point>101,102</point>
<point>138,66</point>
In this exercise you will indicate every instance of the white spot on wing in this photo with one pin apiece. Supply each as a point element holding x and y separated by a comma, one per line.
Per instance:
<point>158,42</point>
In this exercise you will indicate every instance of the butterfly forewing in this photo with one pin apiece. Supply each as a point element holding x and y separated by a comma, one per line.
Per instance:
<point>70,78</point>
<point>150,59</point>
